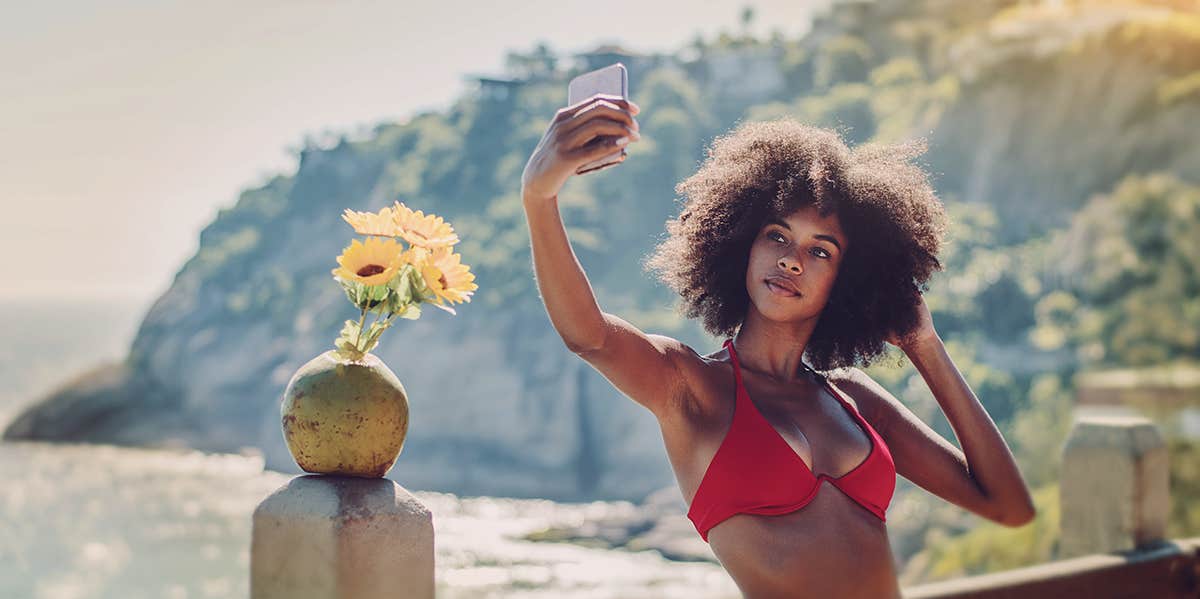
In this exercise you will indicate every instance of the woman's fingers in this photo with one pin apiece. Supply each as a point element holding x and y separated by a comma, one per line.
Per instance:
<point>599,109</point>
<point>598,118</point>
<point>594,128</point>
<point>570,111</point>
<point>589,152</point>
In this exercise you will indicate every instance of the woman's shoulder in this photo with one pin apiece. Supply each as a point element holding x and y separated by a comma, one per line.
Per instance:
<point>843,374</point>
<point>867,395</point>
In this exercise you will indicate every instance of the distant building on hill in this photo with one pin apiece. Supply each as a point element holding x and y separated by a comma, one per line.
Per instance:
<point>494,89</point>
<point>604,55</point>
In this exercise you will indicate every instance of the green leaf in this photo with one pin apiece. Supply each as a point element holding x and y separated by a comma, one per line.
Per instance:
<point>357,293</point>
<point>399,281</point>
<point>420,288</point>
<point>396,303</point>
<point>404,289</point>
<point>378,292</point>
<point>347,342</point>
<point>349,330</point>
<point>351,289</point>
<point>371,337</point>
<point>375,330</point>
<point>411,312</point>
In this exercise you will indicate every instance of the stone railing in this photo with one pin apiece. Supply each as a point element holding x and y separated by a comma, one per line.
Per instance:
<point>325,537</point>
<point>1114,502</point>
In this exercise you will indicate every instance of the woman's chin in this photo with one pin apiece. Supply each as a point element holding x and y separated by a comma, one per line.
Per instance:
<point>773,309</point>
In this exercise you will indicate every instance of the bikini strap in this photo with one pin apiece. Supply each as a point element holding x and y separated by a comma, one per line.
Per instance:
<point>837,394</point>
<point>737,369</point>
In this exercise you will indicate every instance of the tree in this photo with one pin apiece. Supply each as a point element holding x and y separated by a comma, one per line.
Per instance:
<point>844,59</point>
<point>747,19</point>
<point>1132,260</point>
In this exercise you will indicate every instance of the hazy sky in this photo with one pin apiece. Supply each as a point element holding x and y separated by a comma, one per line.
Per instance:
<point>125,126</point>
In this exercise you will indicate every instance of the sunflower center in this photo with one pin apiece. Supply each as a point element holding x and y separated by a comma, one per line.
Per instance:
<point>370,269</point>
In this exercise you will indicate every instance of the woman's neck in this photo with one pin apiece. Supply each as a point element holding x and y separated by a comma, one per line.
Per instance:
<point>773,349</point>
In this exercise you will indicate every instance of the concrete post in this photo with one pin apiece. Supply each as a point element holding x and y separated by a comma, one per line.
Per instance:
<point>335,537</point>
<point>1113,492</point>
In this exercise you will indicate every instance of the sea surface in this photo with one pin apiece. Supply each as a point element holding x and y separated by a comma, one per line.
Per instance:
<point>90,521</point>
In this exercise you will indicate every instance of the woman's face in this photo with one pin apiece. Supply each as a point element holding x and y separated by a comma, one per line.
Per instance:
<point>793,264</point>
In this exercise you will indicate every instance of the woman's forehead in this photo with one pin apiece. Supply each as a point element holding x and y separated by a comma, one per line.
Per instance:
<point>809,218</point>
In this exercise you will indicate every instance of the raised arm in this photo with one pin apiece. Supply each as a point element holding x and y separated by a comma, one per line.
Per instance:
<point>643,367</point>
<point>983,476</point>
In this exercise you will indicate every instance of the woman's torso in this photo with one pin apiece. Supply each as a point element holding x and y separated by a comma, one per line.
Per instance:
<point>830,547</point>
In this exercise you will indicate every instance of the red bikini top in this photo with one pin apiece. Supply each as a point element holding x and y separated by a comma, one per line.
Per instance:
<point>756,472</point>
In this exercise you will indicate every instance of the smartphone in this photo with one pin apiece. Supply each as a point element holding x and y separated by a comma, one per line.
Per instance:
<point>610,80</point>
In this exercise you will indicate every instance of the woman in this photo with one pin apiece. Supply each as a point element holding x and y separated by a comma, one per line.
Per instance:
<point>789,245</point>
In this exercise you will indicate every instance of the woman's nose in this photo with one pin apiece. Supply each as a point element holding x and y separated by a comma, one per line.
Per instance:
<point>790,264</point>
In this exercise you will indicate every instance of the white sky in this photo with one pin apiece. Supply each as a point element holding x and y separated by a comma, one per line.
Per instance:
<point>125,126</point>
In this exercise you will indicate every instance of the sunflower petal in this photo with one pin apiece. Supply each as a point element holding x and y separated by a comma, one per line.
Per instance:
<point>422,230</point>
<point>380,223</point>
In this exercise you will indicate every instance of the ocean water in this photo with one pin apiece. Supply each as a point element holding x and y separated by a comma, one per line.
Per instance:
<point>91,521</point>
<point>43,343</point>
<point>84,521</point>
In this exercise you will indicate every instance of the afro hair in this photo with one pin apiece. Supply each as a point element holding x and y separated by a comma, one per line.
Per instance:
<point>893,220</point>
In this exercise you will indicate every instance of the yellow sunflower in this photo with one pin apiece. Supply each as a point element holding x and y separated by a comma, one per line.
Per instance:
<point>382,223</point>
<point>416,256</point>
<point>420,229</point>
<point>448,278</point>
<point>372,263</point>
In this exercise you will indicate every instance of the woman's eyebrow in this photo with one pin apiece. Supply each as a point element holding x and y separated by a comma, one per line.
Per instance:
<point>830,239</point>
<point>776,221</point>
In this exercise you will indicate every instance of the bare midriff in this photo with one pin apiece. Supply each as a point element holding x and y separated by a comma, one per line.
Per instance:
<point>831,547</point>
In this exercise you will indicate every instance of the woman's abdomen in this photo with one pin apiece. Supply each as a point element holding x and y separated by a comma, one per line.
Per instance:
<point>831,547</point>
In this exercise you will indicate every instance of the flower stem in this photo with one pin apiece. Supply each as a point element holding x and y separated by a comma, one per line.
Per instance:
<point>378,314</point>
<point>358,338</point>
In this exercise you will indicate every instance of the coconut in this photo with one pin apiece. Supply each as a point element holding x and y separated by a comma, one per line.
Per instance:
<point>345,417</point>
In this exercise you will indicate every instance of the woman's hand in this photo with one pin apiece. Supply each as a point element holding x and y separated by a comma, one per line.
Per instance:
<point>923,332</point>
<point>568,142</point>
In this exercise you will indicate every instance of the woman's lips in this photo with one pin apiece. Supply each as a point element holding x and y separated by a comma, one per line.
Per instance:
<point>779,289</point>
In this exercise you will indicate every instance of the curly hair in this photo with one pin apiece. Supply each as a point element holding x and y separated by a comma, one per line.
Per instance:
<point>887,209</point>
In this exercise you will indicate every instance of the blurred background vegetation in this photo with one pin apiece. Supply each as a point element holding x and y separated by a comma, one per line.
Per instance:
<point>1062,140</point>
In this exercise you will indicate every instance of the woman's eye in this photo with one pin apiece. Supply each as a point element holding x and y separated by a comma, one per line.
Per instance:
<point>824,253</point>
<point>776,236</point>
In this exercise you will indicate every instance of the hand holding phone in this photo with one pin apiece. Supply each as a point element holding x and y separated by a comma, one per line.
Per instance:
<point>612,80</point>
<point>582,137</point>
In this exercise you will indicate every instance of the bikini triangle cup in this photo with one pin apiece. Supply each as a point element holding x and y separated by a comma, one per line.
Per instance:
<point>743,476</point>
<point>745,396</point>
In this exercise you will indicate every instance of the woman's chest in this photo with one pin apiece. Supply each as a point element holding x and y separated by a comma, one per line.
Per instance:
<point>802,426</point>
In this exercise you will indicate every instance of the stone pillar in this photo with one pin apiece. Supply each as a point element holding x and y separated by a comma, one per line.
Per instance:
<point>1113,492</point>
<point>327,537</point>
